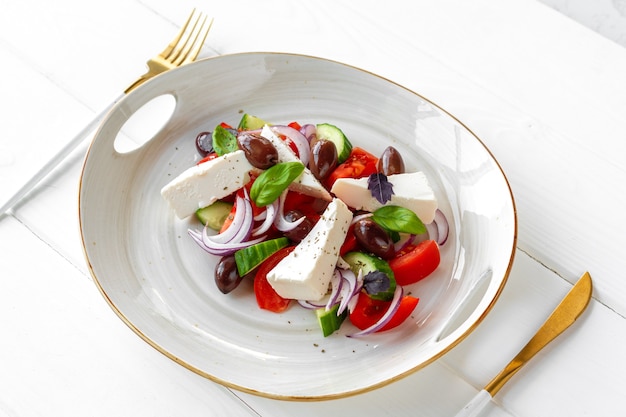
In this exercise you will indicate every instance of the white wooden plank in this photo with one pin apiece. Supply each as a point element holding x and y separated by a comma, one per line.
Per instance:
<point>66,353</point>
<point>552,383</point>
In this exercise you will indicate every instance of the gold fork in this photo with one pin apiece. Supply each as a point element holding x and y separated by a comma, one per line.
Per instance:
<point>183,49</point>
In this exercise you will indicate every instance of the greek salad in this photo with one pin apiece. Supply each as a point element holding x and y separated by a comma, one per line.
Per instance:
<point>312,220</point>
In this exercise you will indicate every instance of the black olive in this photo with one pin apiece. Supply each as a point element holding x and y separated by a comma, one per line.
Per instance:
<point>300,231</point>
<point>226,276</point>
<point>323,158</point>
<point>391,162</point>
<point>204,143</point>
<point>373,238</point>
<point>258,150</point>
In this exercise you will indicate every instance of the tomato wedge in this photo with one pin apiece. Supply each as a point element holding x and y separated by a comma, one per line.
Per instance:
<point>266,297</point>
<point>359,164</point>
<point>415,262</point>
<point>368,311</point>
<point>207,158</point>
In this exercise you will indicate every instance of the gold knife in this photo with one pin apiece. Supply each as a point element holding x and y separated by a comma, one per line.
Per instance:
<point>566,313</point>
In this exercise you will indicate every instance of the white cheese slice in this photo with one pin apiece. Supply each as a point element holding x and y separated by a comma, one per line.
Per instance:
<point>411,191</point>
<point>203,184</point>
<point>305,183</point>
<point>306,272</point>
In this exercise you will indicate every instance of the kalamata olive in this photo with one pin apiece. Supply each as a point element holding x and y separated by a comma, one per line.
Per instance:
<point>299,232</point>
<point>204,143</point>
<point>226,276</point>
<point>259,151</point>
<point>391,162</point>
<point>323,158</point>
<point>373,238</point>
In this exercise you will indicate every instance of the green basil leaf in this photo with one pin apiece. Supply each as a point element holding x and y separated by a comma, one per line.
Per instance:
<point>273,181</point>
<point>224,141</point>
<point>399,219</point>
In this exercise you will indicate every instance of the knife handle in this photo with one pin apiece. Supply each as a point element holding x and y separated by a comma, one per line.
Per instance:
<point>476,404</point>
<point>56,159</point>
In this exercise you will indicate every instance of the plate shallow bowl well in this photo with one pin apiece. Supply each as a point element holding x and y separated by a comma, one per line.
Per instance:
<point>160,284</point>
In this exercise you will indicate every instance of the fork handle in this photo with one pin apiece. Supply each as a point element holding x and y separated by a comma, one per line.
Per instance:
<point>57,159</point>
<point>476,404</point>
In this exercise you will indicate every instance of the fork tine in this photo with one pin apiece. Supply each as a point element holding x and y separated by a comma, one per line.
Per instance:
<point>170,47</point>
<point>183,49</point>
<point>196,46</point>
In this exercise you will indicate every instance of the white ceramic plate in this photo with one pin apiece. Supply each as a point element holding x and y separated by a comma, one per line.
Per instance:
<point>161,284</point>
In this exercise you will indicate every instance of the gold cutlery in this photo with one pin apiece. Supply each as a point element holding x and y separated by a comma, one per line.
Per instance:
<point>570,308</point>
<point>183,49</point>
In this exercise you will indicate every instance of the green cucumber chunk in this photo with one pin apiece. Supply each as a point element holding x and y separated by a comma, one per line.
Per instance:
<point>250,122</point>
<point>249,258</point>
<point>214,215</point>
<point>329,321</point>
<point>369,263</point>
<point>330,132</point>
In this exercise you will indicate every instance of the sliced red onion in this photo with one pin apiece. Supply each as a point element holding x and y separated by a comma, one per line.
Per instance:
<point>312,305</point>
<point>439,229</point>
<point>302,144</point>
<point>238,220</point>
<point>405,240</point>
<point>442,226</point>
<point>393,307</point>
<point>242,223</point>
<point>356,292</point>
<point>360,216</point>
<point>309,131</point>
<point>347,289</point>
<point>336,284</point>
<point>221,249</point>
<point>270,216</point>
<point>280,221</point>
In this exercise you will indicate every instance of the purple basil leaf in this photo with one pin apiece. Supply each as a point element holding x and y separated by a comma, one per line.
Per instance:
<point>381,189</point>
<point>375,282</point>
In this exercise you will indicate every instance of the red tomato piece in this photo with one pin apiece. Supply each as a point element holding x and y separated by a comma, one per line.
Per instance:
<point>266,297</point>
<point>415,262</point>
<point>350,243</point>
<point>295,125</point>
<point>369,311</point>
<point>207,158</point>
<point>359,164</point>
<point>226,125</point>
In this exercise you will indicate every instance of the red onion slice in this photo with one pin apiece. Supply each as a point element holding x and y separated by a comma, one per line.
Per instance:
<point>393,307</point>
<point>270,217</point>
<point>360,216</point>
<point>221,249</point>
<point>347,289</point>
<point>280,221</point>
<point>439,229</point>
<point>302,144</point>
<point>309,131</point>
<point>336,283</point>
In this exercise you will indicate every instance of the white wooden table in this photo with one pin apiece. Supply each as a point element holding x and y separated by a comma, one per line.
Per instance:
<point>545,94</point>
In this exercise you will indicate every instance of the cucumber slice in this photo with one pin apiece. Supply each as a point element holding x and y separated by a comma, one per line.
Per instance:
<point>368,263</point>
<point>334,134</point>
<point>249,258</point>
<point>250,122</point>
<point>214,215</point>
<point>329,321</point>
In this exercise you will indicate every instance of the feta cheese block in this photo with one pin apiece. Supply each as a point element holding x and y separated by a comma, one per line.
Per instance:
<point>306,272</point>
<point>203,184</point>
<point>411,191</point>
<point>305,183</point>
